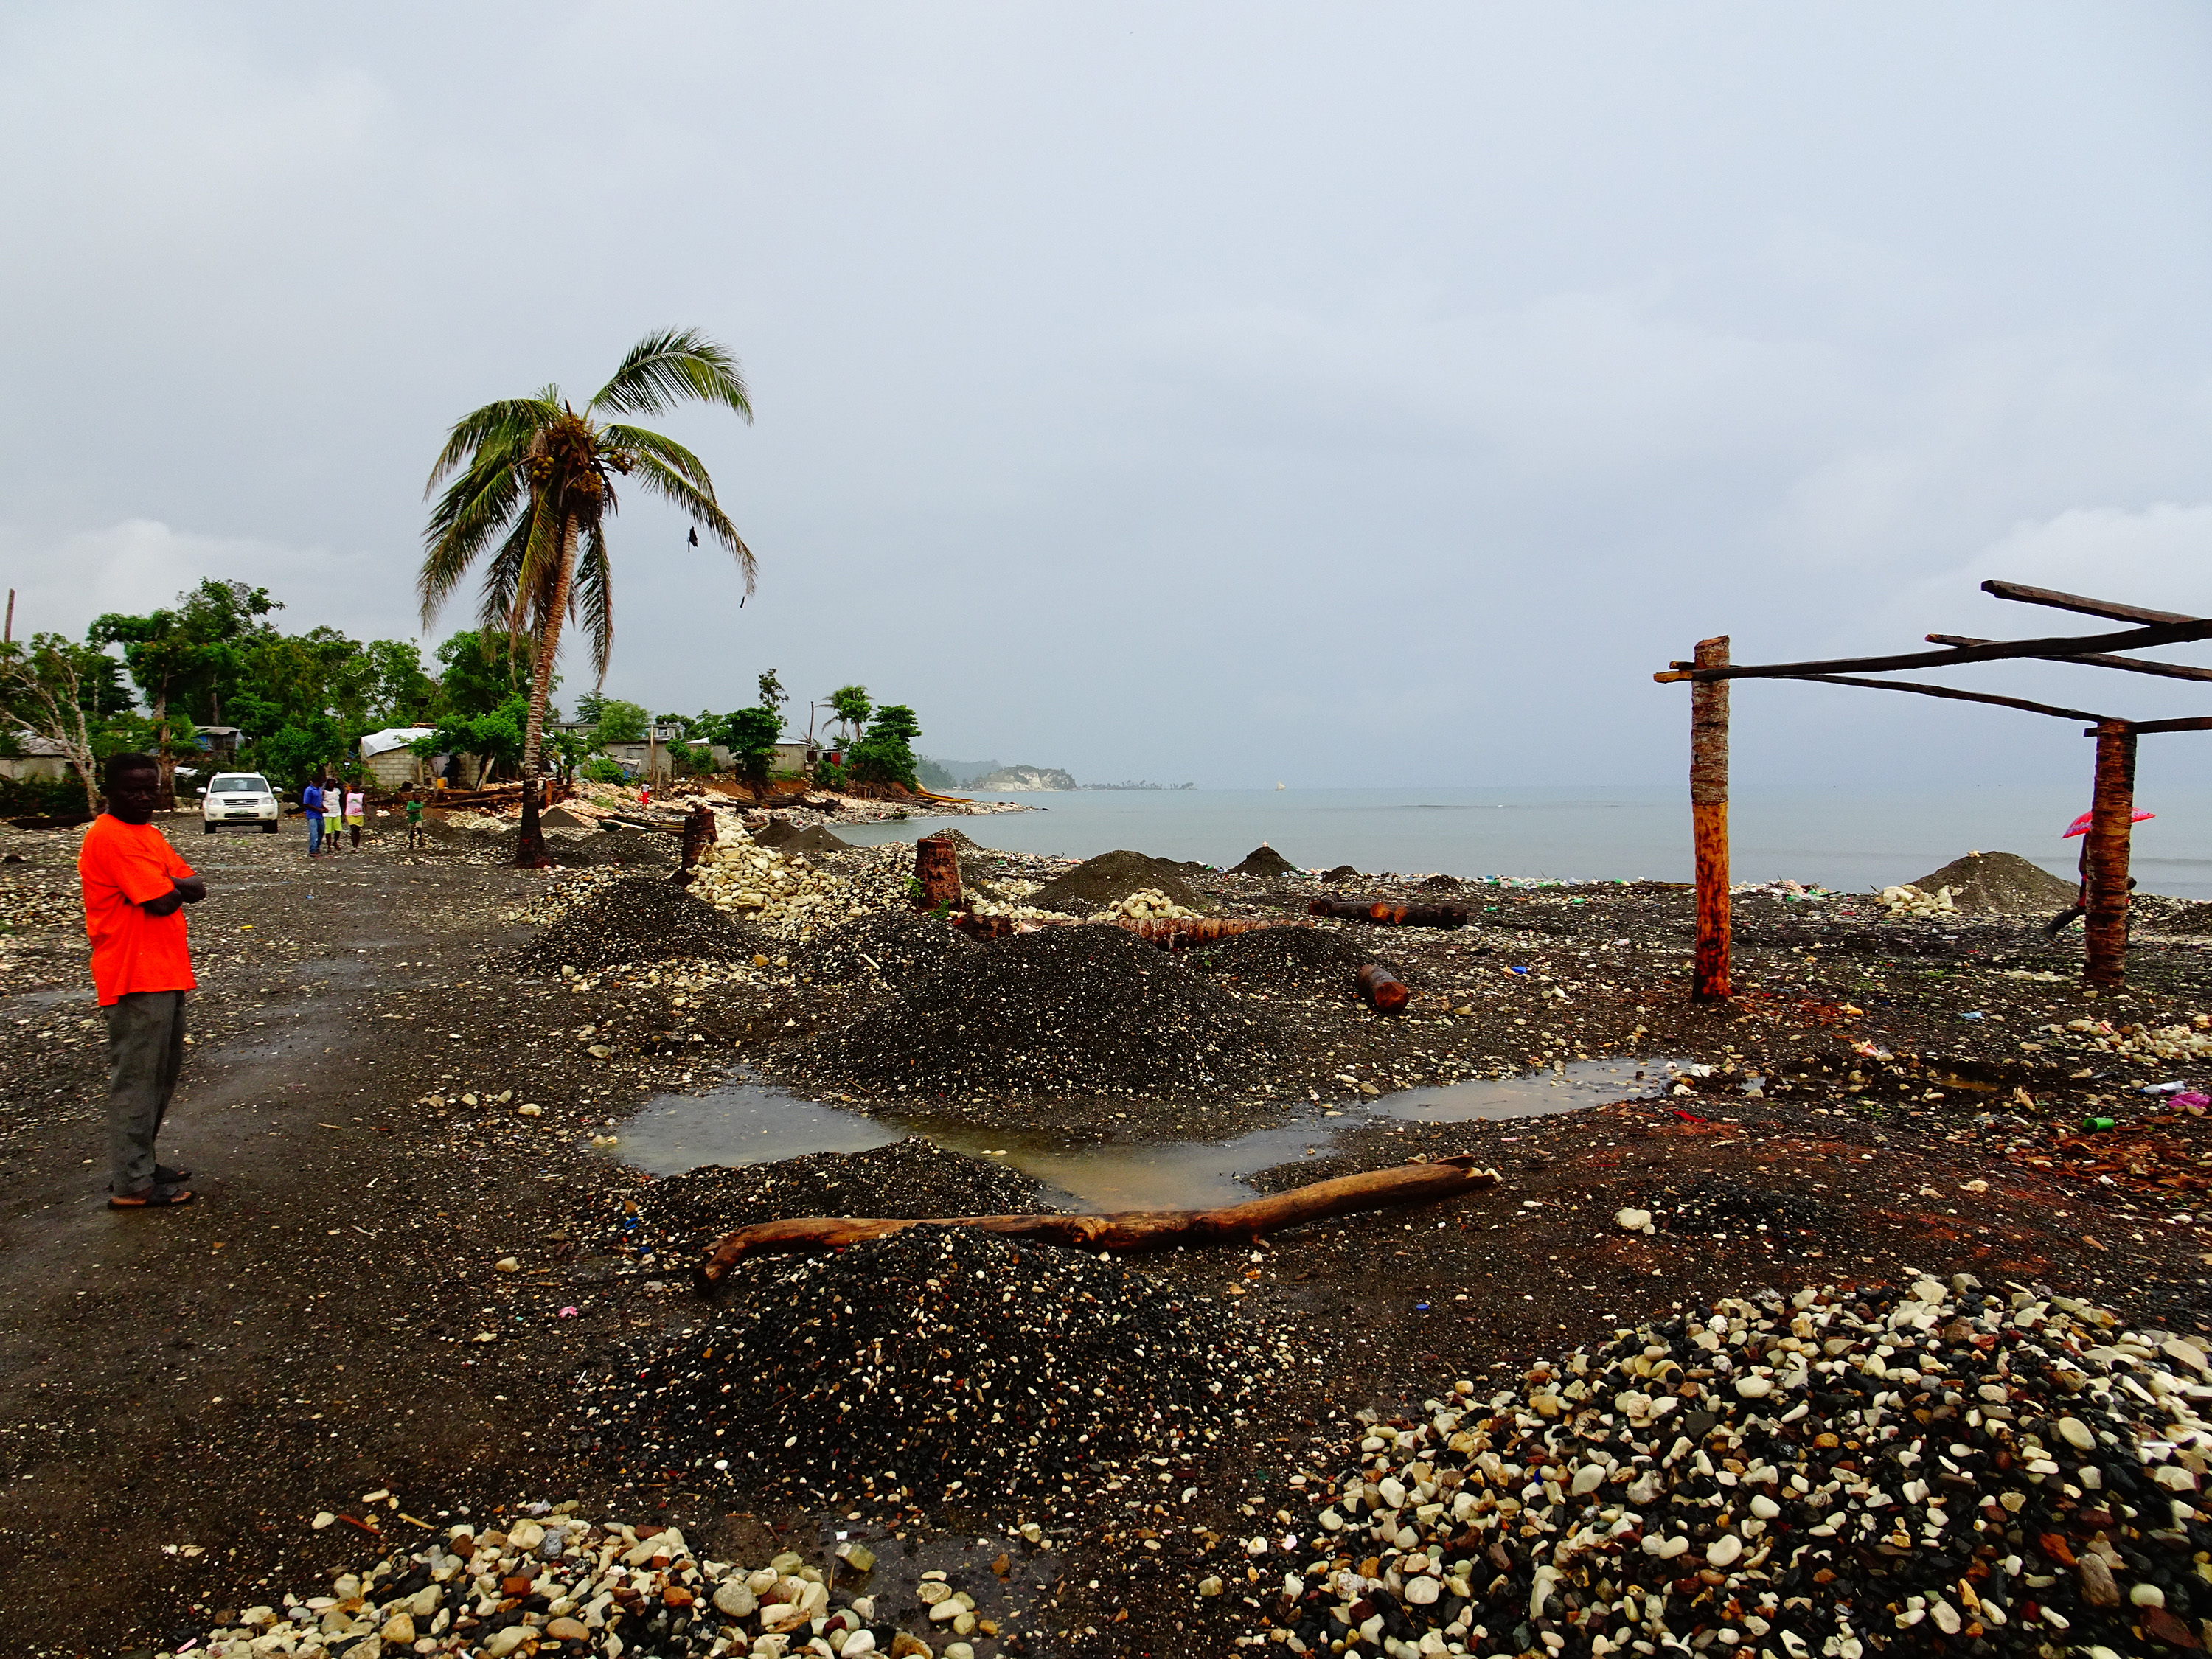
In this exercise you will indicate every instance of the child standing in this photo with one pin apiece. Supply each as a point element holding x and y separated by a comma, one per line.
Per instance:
<point>356,810</point>
<point>413,817</point>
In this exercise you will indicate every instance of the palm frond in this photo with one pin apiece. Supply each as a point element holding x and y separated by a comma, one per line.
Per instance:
<point>503,577</point>
<point>639,440</point>
<point>656,476</point>
<point>497,426</point>
<point>593,597</point>
<point>664,369</point>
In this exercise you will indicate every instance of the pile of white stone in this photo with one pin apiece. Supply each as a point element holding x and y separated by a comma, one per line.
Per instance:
<point>559,1583</point>
<point>2190,1041</point>
<point>1838,1474</point>
<point>1906,903</point>
<point>786,895</point>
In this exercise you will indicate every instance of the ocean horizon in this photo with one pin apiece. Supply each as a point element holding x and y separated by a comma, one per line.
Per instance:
<point>1850,839</point>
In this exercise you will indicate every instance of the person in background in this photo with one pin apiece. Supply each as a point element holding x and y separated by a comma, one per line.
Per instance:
<point>333,815</point>
<point>356,810</point>
<point>136,888</point>
<point>413,817</point>
<point>311,804</point>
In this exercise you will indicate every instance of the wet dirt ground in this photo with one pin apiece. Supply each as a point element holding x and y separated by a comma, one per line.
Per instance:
<point>181,1392</point>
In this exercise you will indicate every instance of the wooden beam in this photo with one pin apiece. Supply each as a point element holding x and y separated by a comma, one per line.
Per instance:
<point>2172,670</point>
<point>1709,781</point>
<point>2112,820</point>
<point>2194,723</point>
<point>2134,639</point>
<point>2057,601</point>
<point>1960,696</point>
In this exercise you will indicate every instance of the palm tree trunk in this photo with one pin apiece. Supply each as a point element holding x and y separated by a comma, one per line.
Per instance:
<point>529,844</point>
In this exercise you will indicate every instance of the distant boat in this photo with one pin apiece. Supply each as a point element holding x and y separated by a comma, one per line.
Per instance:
<point>1280,786</point>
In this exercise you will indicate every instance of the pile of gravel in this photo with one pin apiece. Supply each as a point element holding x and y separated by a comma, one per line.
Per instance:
<point>893,948</point>
<point>1313,961</point>
<point>1061,1012</point>
<point>1095,884</point>
<point>2000,884</point>
<point>938,1364</point>
<point>566,1585</point>
<point>780,833</point>
<point>686,1213</point>
<point>1940,1469</point>
<point>1264,861</point>
<point>637,919</point>
<point>1341,872</point>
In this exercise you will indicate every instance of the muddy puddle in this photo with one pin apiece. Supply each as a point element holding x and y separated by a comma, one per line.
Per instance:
<point>746,1120</point>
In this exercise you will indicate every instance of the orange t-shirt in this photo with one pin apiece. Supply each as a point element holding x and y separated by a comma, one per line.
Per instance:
<point>121,866</point>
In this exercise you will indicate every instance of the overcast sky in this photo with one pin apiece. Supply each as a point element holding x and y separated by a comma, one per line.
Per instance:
<point>1344,395</point>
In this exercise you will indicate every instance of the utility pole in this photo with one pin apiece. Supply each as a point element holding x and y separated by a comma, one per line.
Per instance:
<point>9,637</point>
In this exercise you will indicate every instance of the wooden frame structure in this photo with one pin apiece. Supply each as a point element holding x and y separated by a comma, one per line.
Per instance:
<point>2112,802</point>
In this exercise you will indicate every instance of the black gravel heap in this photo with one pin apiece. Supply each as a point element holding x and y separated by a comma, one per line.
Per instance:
<point>1064,1011</point>
<point>1290,962</point>
<point>1940,1469</point>
<point>938,1363</point>
<point>891,948</point>
<point>1263,860</point>
<point>911,1177</point>
<point>638,918</point>
<point>1112,876</point>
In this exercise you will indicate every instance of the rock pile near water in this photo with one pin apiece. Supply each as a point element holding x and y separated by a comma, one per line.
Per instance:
<point>2000,884</point>
<point>937,1365</point>
<point>1096,885</point>
<point>637,919</point>
<point>891,948</point>
<point>1078,1009</point>
<point>1939,1469</point>
<point>1264,861</point>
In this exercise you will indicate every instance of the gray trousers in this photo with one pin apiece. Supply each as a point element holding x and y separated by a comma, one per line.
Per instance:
<point>145,1052</point>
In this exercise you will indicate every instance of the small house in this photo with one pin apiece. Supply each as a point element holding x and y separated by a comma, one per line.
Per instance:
<point>389,758</point>
<point>34,758</point>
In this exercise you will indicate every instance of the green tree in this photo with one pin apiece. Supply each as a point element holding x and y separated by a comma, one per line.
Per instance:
<point>533,485</point>
<point>494,738</point>
<point>188,655</point>
<point>752,735</point>
<point>852,707</point>
<point>399,692</point>
<point>480,669</point>
<point>622,722</point>
<point>301,748</point>
<point>885,754</point>
<point>43,687</point>
<point>772,695</point>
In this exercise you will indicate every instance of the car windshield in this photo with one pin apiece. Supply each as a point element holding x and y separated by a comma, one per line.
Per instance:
<point>253,786</point>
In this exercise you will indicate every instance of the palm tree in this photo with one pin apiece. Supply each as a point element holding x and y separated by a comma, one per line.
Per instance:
<point>535,487</point>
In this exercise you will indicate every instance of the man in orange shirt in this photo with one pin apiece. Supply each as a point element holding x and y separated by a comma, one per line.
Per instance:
<point>135,889</point>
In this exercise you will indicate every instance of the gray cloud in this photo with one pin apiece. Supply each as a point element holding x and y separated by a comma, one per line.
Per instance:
<point>1235,393</point>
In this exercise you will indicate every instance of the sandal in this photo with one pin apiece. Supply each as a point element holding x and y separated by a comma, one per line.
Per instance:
<point>166,1176</point>
<point>153,1198</point>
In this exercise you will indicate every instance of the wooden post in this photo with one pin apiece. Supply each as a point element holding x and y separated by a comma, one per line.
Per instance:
<point>937,870</point>
<point>2112,818</point>
<point>1709,771</point>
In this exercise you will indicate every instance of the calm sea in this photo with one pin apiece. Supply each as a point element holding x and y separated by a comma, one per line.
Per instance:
<point>1850,839</point>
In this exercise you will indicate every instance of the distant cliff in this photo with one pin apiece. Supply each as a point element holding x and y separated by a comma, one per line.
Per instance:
<point>1014,779</point>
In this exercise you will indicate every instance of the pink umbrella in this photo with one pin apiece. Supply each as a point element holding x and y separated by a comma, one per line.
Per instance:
<point>2081,826</point>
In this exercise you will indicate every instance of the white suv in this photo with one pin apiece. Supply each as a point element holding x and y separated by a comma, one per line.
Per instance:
<point>240,798</point>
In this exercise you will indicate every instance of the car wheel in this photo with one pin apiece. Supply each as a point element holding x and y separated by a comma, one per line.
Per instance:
<point>207,826</point>
<point>269,829</point>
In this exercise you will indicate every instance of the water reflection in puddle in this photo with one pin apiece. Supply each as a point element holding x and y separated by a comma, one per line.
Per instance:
<point>748,1121</point>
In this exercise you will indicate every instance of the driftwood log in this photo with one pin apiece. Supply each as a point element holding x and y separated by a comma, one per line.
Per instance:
<point>1385,992</point>
<point>1709,802</point>
<point>1130,1230</point>
<point>1384,914</point>
<point>1168,932</point>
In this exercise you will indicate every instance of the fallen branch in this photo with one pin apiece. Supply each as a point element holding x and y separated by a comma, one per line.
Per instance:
<point>1130,1230</point>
